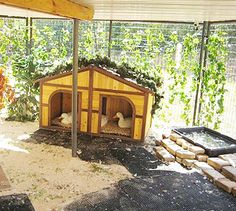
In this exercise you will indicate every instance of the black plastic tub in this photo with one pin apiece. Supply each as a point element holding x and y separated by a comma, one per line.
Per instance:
<point>229,143</point>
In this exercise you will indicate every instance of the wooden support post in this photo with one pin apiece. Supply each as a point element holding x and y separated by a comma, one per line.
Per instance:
<point>74,88</point>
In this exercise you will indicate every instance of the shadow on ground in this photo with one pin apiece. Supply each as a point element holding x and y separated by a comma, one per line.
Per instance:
<point>165,191</point>
<point>150,189</point>
<point>16,202</point>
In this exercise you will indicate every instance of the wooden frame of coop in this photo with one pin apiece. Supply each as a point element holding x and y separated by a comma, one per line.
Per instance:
<point>100,93</point>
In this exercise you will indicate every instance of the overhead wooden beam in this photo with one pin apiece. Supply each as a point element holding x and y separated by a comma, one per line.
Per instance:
<point>64,8</point>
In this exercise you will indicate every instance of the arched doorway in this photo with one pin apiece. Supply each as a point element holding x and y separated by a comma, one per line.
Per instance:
<point>60,114</point>
<point>109,121</point>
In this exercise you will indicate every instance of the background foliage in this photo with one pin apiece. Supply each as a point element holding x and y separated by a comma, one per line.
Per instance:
<point>167,51</point>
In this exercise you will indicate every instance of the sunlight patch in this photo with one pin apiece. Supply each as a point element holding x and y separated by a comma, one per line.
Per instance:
<point>5,143</point>
<point>23,137</point>
<point>174,167</point>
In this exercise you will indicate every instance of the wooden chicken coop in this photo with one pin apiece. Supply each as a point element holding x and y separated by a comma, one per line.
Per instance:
<point>102,95</point>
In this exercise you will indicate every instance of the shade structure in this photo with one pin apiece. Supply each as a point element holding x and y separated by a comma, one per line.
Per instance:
<point>45,8</point>
<point>54,8</point>
<point>18,12</point>
<point>163,10</point>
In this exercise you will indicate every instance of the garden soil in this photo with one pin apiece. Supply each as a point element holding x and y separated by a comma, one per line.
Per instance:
<point>47,173</point>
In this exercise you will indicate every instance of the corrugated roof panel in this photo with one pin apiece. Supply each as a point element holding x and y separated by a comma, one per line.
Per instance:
<point>163,10</point>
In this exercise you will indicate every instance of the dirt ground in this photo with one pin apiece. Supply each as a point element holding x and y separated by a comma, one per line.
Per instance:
<point>47,173</point>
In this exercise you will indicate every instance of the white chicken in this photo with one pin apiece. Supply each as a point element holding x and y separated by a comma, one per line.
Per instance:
<point>66,118</point>
<point>104,120</point>
<point>123,122</point>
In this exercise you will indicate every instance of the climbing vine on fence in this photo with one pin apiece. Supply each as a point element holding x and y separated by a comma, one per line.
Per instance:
<point>182,74</point>
<point>214,81</point>
<point>147,53</point>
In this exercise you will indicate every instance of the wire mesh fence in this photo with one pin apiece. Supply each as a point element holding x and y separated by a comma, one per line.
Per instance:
<point>126,34</point>
<point>228,125</point>
<point>12,39</point>
<point>98,38</point>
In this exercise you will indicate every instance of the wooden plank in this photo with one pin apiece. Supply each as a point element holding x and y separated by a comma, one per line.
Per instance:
<point>122,80</point>
<point>118,91</point>
<point>149,113</point>
<point>90,100</point>
<point>63,8</point>
<point>94,121</point>
<point>84,119</point>
<point>138,129</point>
<point>144,115</point>
<point>137,100</point>
<point>44,116</point>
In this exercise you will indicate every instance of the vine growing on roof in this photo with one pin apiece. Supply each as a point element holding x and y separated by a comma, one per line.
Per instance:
<point>152,82</point>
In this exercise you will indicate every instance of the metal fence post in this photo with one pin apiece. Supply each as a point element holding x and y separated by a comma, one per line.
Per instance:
<point>29,35</point>
<point>200,74</point>
<point>74,88</point>
<point>110,38</point>
<point>203,68</point>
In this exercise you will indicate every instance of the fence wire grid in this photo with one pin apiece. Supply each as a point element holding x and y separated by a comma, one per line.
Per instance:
<point>98,38</point>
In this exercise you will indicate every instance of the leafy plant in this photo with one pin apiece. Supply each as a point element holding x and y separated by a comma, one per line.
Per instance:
<point>183,76</point>
<point>213,82</point>
<point>25,106</point>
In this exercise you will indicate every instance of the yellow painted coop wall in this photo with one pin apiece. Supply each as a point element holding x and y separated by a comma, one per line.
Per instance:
<point>149,113</point>
<point>102,85</point>
<point>65,84</point>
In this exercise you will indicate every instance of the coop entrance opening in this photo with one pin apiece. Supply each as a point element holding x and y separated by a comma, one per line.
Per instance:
<point>116,116</point>
<point>60,109</point>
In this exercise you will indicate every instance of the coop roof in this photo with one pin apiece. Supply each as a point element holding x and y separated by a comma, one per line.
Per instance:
<point>104,71</point>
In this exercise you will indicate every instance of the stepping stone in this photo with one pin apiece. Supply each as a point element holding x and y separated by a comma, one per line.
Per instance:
<point>226,184</point>
<point>179,160</point>
<point>163,154</point>
<point>167,142</point>
<point>229,172</point>
<point>4,183</point>
<point>173,148</point>
<point>228,156</point>
<point>202,158</point>
<point>234,191</point>
<point>185,154</point>
<point>174,136</point>
<point>180,141</point>
<point>217,163</point>
<point>158,142</point>
<point>196,149</point>
<point>231,158</point>
<point>213,175</point>
<point>166,134</point>
<point>188,163</point>
<point>202,165</point>
<point>186,145</point>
